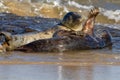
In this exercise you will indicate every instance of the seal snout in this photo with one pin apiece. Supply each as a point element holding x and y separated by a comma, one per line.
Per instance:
<point>4,38</point>
<point>2,48</point>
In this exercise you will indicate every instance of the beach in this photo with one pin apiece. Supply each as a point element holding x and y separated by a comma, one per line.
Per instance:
<point>39,15</point>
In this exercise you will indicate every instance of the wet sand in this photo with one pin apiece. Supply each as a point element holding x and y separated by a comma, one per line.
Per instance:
<point>75,65</point>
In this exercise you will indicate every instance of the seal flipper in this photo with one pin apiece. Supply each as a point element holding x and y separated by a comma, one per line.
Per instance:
<point>88,26</point>
<point>107,38</point>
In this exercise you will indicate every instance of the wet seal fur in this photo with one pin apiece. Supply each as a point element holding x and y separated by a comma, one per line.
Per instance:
<point>64,40</point>
<point>68,40</point>
<point>14,41</point>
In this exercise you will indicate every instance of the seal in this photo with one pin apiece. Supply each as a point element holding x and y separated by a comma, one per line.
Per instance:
<point>71,21</point>
<point>64,40</point>
<point>68,40</point>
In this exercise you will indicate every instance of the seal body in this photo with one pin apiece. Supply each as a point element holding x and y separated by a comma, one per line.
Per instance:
<point>72,39</point>
<point>68,35</point>
<point>70,20</point>
<point>68,40</point>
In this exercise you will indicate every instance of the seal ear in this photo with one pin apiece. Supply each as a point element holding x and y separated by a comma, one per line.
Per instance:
<point>7,35</point>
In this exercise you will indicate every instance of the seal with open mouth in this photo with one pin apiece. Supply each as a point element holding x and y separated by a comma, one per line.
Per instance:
<point>71,21</point>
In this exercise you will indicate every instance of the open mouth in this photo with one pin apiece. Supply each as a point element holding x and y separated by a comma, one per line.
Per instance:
<point>2,43</point>
<point>2,49</point>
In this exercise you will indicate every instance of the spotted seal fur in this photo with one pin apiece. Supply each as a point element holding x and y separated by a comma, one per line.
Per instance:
<point>68,40</point>
<point>64,40</point>
<point>70,20</point>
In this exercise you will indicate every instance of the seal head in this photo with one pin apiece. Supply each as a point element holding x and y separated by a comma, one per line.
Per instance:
<point>73,21</point>
<point>4,41</point>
